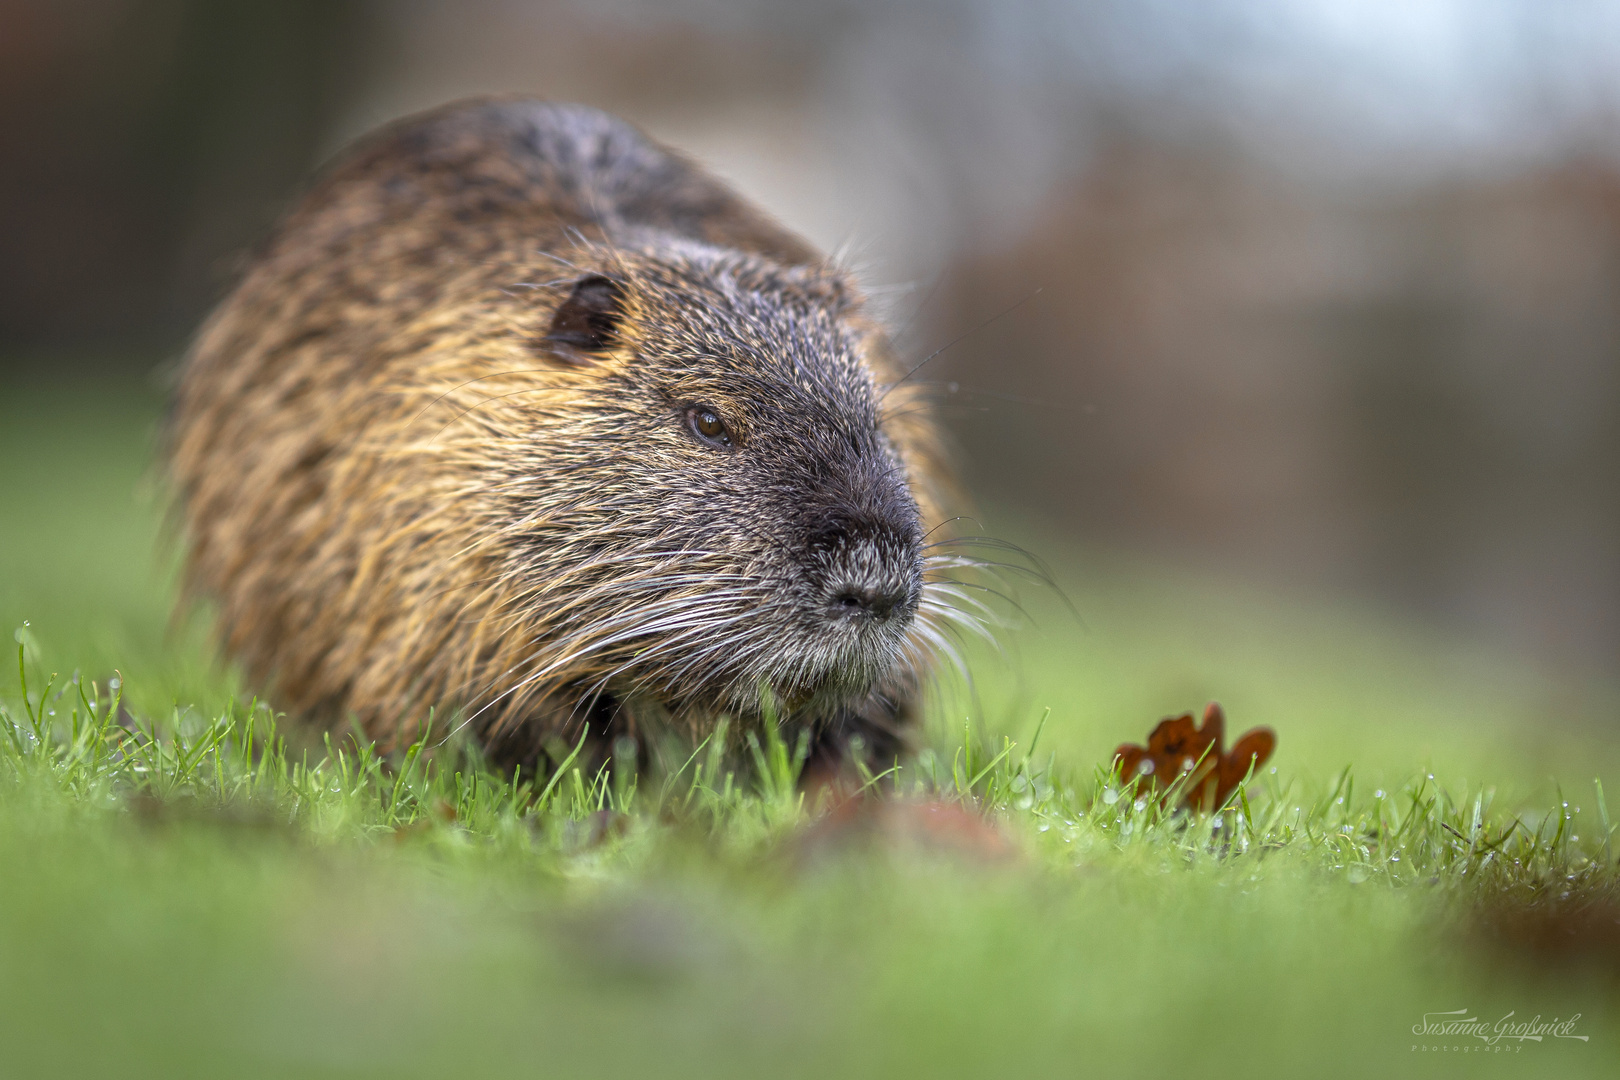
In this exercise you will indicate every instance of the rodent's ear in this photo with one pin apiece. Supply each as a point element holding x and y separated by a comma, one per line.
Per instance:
<point>587,322</point>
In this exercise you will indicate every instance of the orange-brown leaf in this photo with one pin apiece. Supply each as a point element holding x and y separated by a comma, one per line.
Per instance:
<point>1193,754</point>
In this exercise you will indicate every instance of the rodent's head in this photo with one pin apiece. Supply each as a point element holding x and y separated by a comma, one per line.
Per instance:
<point>705,503</point>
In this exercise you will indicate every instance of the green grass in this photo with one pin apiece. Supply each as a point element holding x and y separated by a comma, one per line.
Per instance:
<point>184,891</point>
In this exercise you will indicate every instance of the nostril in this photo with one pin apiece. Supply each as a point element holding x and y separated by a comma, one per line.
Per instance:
<point>878,602</point>
<point>853,600</point>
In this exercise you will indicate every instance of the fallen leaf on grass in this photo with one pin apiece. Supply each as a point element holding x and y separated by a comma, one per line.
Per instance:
<point>931,825</point>
<point>442,811</point>
<point>595,829</point>
<point>1179,750</point>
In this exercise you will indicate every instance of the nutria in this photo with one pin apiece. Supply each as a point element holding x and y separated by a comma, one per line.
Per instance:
<point>522,416</point>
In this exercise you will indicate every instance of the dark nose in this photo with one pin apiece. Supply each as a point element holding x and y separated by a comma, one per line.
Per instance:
<point>879,602</point>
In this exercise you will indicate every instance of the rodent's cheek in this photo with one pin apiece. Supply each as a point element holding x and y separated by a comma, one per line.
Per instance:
<point>718,508</point>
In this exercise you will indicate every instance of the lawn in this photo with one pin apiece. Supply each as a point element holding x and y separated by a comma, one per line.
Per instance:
<point>189,889</point>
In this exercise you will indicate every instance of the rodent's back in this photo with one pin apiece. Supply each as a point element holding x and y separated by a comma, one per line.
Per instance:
<point>471,190</point>
<point>355,418</point>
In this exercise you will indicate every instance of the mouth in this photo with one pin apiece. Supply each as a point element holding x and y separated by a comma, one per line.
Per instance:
<point>805,644</point>
<point>838,661</point>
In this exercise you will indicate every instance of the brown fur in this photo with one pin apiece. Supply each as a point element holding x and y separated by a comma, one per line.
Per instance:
<point>405,483</point>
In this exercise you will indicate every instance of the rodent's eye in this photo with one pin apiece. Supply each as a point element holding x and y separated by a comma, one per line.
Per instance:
<point>706,424</point>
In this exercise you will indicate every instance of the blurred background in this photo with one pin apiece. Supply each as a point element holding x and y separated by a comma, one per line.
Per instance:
<point>1316,294</point>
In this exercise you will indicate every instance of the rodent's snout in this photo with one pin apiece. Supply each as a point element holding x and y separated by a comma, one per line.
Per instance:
<point>871,574</point>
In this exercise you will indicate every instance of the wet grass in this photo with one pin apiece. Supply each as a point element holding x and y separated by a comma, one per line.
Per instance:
<point>189,887</point>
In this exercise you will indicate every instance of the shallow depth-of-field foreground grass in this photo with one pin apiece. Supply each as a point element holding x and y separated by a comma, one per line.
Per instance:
<point>187,889</point>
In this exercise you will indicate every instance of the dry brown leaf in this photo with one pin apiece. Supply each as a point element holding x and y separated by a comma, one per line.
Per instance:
<point>1179,750</point>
